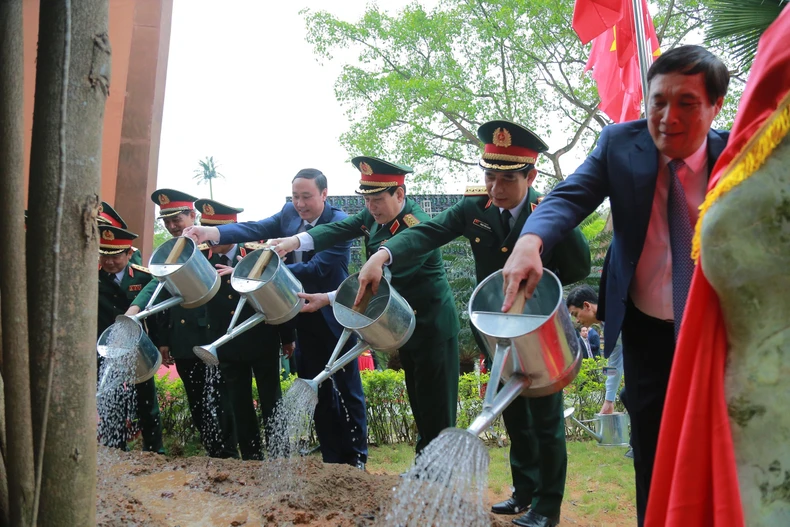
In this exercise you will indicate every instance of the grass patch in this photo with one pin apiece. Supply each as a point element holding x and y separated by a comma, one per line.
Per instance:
<point>599,489</point>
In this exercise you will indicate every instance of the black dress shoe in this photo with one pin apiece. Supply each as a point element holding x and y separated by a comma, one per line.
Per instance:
<point>512,505</point>
<point>533,519</point>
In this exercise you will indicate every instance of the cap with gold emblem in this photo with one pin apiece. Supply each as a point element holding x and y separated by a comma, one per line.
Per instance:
<point>114,240</point>
<point>508,146</point>
<point>171,202</point>
<point>215,213</point>
<point>109,216</point>
<point>378,175</point>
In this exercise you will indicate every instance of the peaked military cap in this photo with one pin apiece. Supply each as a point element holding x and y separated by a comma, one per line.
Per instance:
<point>114,240</point>
<point>378,175</point>
<point>216,213</point>
<point>171,202</point>
<point>109,216</point>
<point>508,146</point>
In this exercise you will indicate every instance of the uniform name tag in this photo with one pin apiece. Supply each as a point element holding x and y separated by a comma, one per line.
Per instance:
<point>482,224</point>
<point>136,287</point>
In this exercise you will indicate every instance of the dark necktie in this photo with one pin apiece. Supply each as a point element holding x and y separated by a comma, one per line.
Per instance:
<point>224,260</point>
<point>681,233</point>
<point>505,216</point>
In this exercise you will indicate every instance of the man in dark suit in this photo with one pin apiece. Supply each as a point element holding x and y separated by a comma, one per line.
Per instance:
<point>343,437</point>
<point>655,174</point>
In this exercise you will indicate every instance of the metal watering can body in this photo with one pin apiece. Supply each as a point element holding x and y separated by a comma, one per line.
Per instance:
<point>265,282</point>
<point>385,324</point>
<point>541,338</point>
<point>148,357</point>
<point>610,429</point>
<point>185,273</point>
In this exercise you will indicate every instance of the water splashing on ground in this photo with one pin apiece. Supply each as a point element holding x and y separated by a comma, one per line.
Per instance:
<point>115,397</point>
<point>446,485</point>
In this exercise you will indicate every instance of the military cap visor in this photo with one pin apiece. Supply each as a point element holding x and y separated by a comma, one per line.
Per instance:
<point>377,175</point>
<point>508,146</point>
<point>216,213</point>
<point>172,202</point>
<point>114,240</point>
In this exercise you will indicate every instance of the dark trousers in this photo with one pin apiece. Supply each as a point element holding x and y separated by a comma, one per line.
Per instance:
<point>538,456</point>
<point>212,416</point>
<point>238,380</point>
<point>431,371</point>
<point>648,349</point>
<point>147,411</point>
<point>343,437</point>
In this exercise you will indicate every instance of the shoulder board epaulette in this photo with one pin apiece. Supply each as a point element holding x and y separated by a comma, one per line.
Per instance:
<point>254,245</point>
<point>140,268</point>
<point>410,220</point>
<point>476,190</point>
<point>204,247</point>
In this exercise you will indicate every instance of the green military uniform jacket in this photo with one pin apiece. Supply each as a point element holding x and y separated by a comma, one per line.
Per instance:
<point>478,220</point>
<point>115,299</point>
<point>421,281</point>
<point>253,343</point>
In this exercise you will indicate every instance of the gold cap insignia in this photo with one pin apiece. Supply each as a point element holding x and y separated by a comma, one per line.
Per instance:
<point>108,235</point>
<point>208,210</point>
<point>502,138</point>
<point>101,208</point>
<point>365,168</point>
<point>163,199</point>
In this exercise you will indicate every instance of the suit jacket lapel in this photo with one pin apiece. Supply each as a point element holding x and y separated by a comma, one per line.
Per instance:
<point>716,146</point>
<point>644,175</point>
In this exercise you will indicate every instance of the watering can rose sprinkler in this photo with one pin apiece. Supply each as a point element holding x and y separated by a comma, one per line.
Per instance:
<point>192,281</point>
<point>266,283</point>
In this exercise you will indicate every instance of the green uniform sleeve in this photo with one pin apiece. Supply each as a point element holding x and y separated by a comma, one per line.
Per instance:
<point>571,258</point>
<point>330,234</point>
<point>418,241</point>
<point>145,294</point>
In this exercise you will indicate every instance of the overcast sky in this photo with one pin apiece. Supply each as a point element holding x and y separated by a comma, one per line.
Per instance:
<point>244,86</point>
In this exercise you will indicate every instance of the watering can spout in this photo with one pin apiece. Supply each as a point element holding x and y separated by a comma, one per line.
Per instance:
<point>207,353</point>
<point>569,414</point>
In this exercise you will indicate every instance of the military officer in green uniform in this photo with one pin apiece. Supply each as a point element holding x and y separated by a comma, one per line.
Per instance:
<point>256,351</point>
<point>185,329</point>
<point>109,216</point>
<point>120,281</point>
<point>491,217</point>
<point>430,358</point>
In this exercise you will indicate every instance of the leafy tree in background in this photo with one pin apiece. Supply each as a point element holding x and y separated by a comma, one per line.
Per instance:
<point>424,80</point>
<point>207,173</point>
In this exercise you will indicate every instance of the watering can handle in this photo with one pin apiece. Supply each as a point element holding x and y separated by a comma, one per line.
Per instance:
<point>364,301</point>
<point>518,303</point>
<point>176,251</point>
<point>260,264</point>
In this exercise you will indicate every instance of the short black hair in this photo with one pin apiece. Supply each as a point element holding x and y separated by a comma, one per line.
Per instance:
<point>581,294</point>
<point>314,174</point>
<point>690,60</point>
<point>393,190</point>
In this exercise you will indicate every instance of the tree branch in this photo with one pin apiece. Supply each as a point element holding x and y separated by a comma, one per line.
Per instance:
<point>455,160</point>
<point>660,35</point>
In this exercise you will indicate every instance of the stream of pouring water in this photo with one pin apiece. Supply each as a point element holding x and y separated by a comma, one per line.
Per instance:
<point>446,485</point>
<point>115,400</point>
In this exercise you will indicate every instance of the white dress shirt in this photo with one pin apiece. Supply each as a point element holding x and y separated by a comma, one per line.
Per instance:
<point>651,287</point>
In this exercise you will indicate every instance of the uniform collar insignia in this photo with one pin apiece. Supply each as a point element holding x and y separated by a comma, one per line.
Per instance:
<point>394,227</point>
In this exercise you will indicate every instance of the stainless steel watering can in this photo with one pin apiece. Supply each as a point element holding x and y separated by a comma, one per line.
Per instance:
<point>536,352</point>
<point>383,322</point>
<point>266,283</point>
<point>148,357</point>
<point>610,429</point>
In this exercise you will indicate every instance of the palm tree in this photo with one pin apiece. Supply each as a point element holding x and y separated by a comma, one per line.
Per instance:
<point>742,22</point>
<point>207,172</point>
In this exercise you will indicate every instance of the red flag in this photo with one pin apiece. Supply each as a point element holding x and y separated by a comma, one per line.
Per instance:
<point>593,17</point>
<point>616,71</point>
<point>695,477</point>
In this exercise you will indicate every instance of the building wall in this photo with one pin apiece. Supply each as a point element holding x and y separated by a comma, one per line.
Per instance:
<point>140,38</point>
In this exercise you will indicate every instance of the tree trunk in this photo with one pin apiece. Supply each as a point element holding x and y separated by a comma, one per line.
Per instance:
<point>18,432</point>
<point>72,83</point>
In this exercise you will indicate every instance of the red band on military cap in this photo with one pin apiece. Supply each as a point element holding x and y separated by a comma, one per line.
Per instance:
<point>111,220</point>
<point>399,179</point>
<point>177,205</point>
<point>120,243</point>
<point>511,151</point>
<point>219,216</point>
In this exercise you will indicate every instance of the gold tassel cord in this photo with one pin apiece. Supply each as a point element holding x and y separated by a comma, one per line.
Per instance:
<point>748,162</point>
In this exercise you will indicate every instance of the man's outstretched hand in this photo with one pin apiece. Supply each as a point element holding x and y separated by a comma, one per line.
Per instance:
<point>370,274</point>
<point>202,234</point>
<point>524,265</point>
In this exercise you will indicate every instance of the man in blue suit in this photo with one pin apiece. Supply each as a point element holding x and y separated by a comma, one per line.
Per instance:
<point>343,438</point>
<point>655,174</point>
